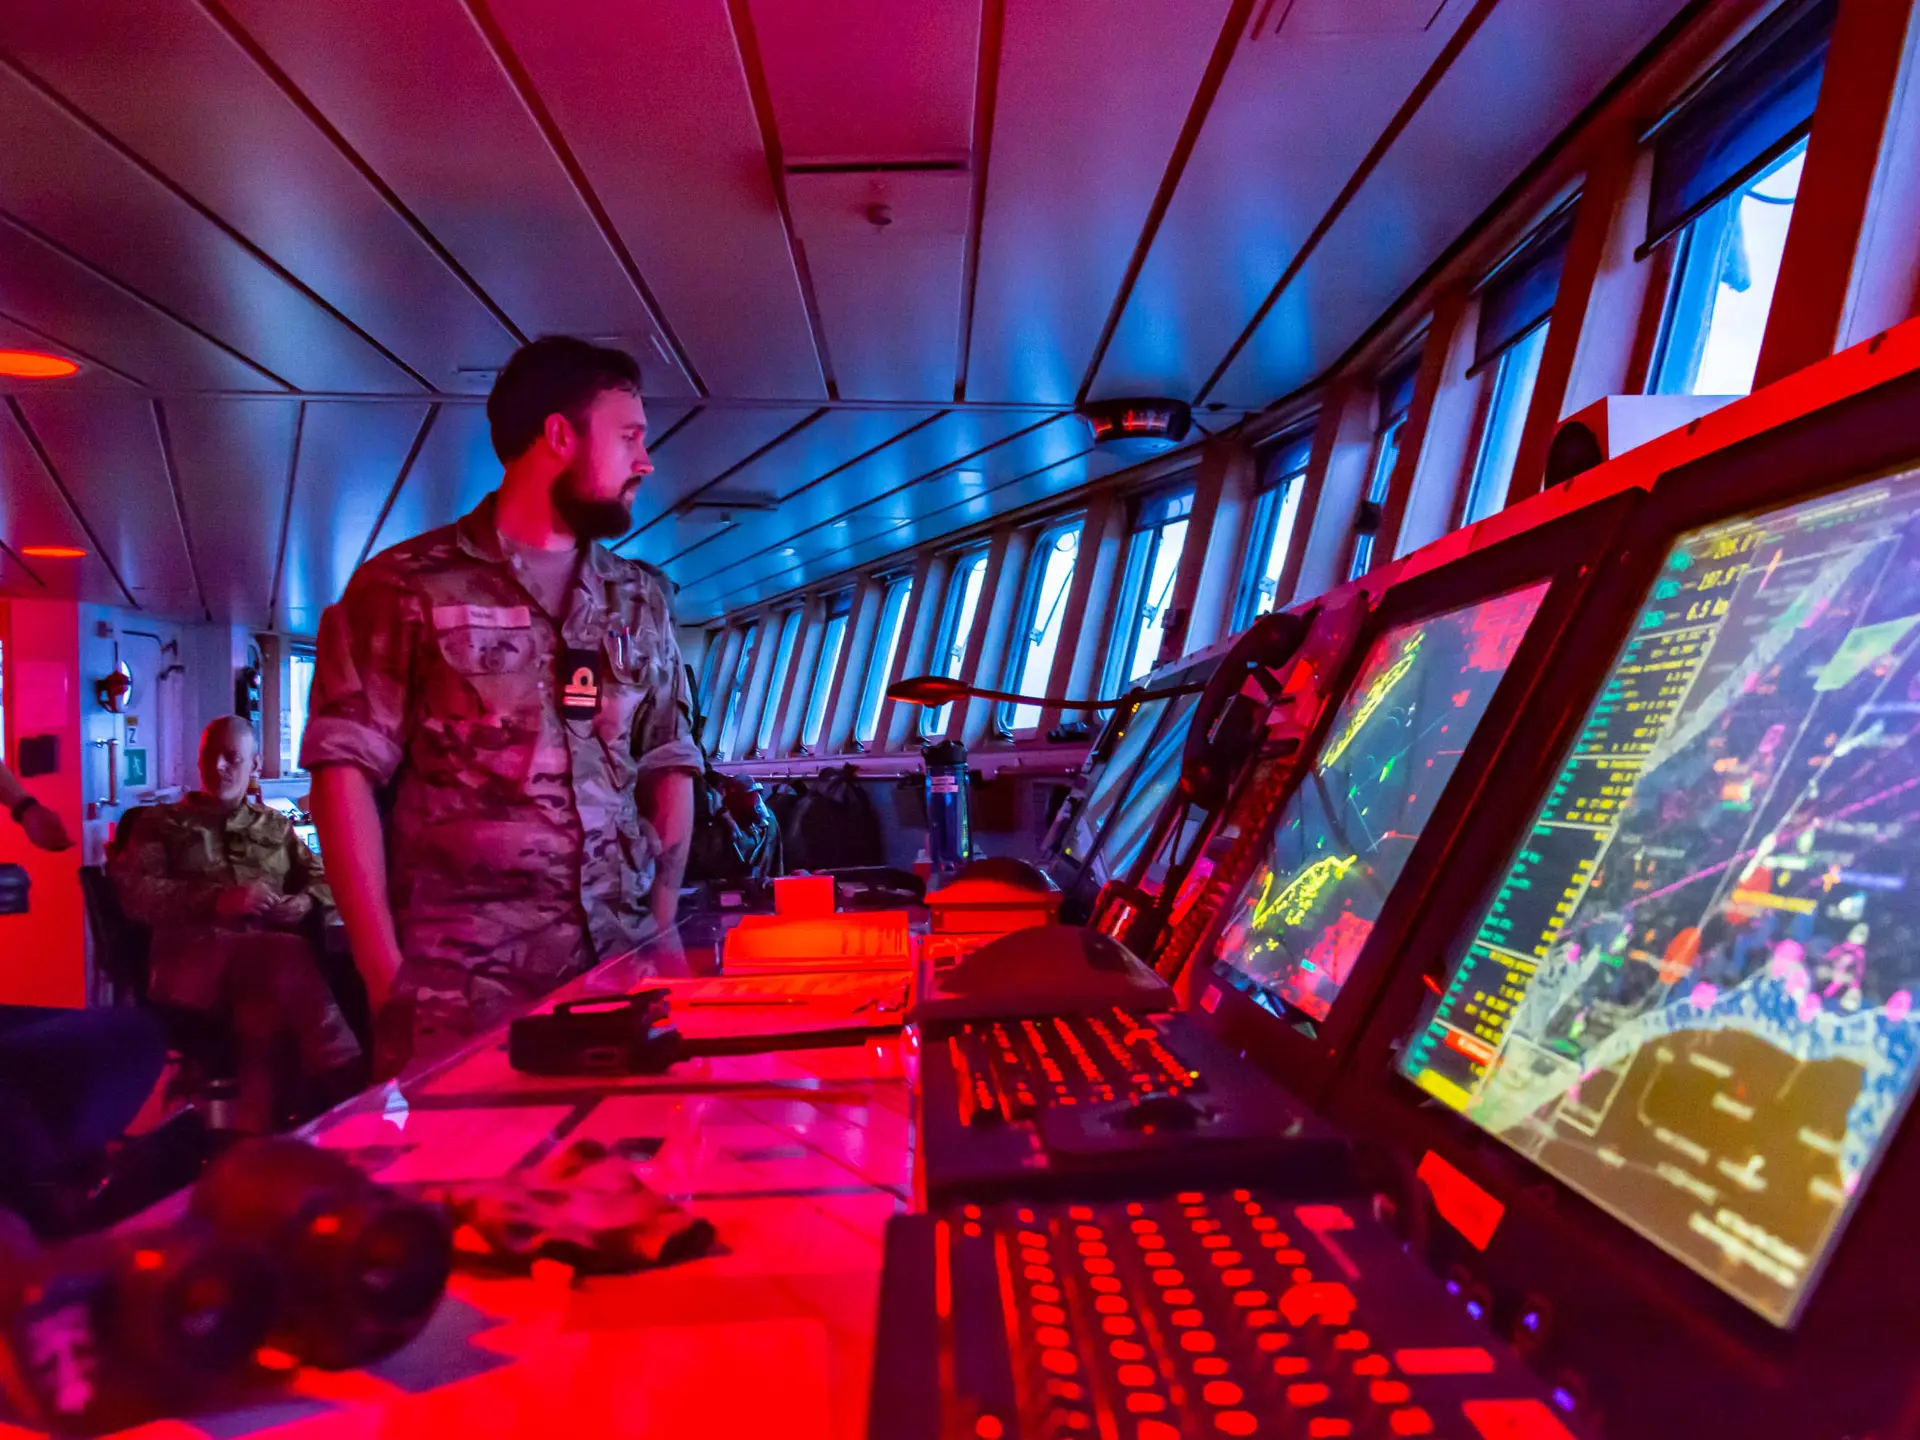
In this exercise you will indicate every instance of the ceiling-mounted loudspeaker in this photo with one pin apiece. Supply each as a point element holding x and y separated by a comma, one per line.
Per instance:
<point>1154,423</point>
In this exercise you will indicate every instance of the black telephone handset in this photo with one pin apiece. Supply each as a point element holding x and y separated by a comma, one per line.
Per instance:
<point>1227,721</point>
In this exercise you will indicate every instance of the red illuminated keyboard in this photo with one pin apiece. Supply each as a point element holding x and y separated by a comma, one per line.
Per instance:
<point>1204,1314</point>
<point>1067,1104</point>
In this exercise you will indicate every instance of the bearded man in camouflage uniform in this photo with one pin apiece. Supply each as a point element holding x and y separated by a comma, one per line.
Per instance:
<point>232,894</point>
<point>503,768</point>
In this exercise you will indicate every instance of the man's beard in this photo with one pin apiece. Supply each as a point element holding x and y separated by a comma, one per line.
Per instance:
<point>589,519</point>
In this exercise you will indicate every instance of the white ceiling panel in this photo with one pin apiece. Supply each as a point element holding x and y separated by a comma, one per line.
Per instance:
<point>232,459</point>
<point>656,107</point>
<point>1091,100</point>
<point>1528,72</point>
<point>1296,114</point>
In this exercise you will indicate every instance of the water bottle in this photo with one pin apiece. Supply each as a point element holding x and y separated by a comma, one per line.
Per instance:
<point>949,835</point>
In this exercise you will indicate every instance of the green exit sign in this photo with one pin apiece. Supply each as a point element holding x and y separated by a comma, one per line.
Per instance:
<point>136,766</point>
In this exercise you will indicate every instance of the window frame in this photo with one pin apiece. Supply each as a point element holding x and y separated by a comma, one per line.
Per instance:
<point>1154,514</point>
<point>299,706</point>
<point>838,611</point>
<point>950,647</point>
<point>1283,476</point>
<point>1699,252</point>
<point>1401,376</point>
<point>1500,392</point>
<point>881,657</point>
<point>737,689</point>
<point>1021,637</point>
<point>766,734</point>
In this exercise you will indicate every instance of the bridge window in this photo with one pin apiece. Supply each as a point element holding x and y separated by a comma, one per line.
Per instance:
<point>777,682</point>
<point>1146,586</point>
<point>1275,513</point>
<point>1396,402</point>
<point>1516,302</point>
<point>736,690</point>
<point>886,644</point>
<point>299,692</point>
<point>956,628</point>
<point>1043,609</point>
<point>1726,171</point>
<point>833,638</point>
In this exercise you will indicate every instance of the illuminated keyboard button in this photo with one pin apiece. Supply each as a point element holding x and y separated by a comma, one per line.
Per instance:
<point>1092,1247</point>
<point>1215,1242</point>
<point>1041,1274</point>
<point>1135,1377</point>
<point>1088,1232</point>
<point>1127,1350</point>
<point>1142,1403</point>
<point>1227,1260</point>
<point>1060,1362</point>
<point>1328,1428</point>
<point>1049,1315</point>
<point>1233,1277</point>
<point>1274,1340</point>
<point>1079,1212</point>
<point>1186,1319</point>
<point>1110,1304</point>
<point>1352,1340</point>
<point>1389,1392</point>
<point>1046,1294</point>
<point>1190,1197</point>
<point>1236,1422</point>
<point>1206,1227</point>
<point>1106,1284</point>
<point>1370,1365</point>
<point>1145,1227</point>
<point>1291,1365</point>
<point>1267,1225</point>
<point>1156,1430</point>
<point>1158,1259</point>
<point>1253,1300</point>
<point>1033,1239</point>
<point>1198,1342</point>
<point>989,1427</point>
<point>1222,1393</point>
<point>1178,1297</point>
<point>1097,1267</point>
<point>1301,1397</point>
<point>1208,1365</point>
<point>1052,1337</point>
<point>1411,1421</point>
<point>1118,1325</point>
<point>1167,1279</point>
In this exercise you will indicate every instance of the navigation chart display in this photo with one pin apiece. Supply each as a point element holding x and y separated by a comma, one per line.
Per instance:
<point>1146,791</point>
<point>1150,722</point>
<point>1345,834</point>
<point>1691,996</point>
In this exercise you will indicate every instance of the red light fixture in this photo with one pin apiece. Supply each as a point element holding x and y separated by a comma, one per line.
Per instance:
<point>52,552</point>
<point>35,365</point>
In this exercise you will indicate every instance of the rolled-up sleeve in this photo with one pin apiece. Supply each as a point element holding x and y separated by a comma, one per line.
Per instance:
<point>664,739</point>
<point>363,676</point>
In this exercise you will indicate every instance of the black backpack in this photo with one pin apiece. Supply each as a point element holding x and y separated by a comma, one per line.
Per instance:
<point>831,825</point>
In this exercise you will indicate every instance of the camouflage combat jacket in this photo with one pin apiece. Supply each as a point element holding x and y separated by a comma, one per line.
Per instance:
<point>169,864</point>
<point>516,855</point>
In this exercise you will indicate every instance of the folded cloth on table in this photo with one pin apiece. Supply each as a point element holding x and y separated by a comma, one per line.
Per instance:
<point>581,1205</point>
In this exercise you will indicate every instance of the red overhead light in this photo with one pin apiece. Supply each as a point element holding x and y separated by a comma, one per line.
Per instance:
<point>52,552</point>
<point>35,365</point>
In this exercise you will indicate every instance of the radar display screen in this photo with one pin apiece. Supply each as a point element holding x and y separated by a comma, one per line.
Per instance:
<point>1137,735</point>
<point>1146,791</point>
<point>1344,835</point>
<point>1691,995</point>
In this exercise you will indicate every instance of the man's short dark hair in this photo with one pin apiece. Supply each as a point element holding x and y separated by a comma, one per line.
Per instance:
<point>554,375</point>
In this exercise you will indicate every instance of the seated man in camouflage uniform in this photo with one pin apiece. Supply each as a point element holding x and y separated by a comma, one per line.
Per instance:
<point>226,886</point>
<point>502,761</point>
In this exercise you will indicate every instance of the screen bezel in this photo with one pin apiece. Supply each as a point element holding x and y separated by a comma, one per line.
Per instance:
<point>1565,552</point>
<point>1078,870</point>
<point>1855,440</point>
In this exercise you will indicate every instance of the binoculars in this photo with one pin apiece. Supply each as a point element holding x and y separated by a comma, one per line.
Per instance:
<point>283,1248</point>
